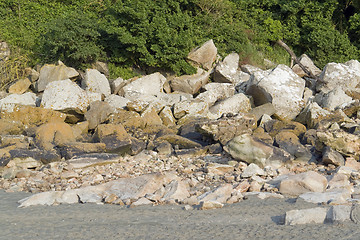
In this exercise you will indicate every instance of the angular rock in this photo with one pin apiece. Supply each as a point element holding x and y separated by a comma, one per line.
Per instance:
<point>340,141</point>
<point>259,111</point>
<point>116,102</point>
<point>305,216</point>
<point>207,205</point>
<point>228,71</point>
<point>63,95</point>
<point>53,134</point>
<point>232,105</point>
<point>273,127</point>
<point>98,113</point>
<point>176,190</point>
<point>302,183</point>
<point>335,98</point>
<point>96,82</point>
<point>312,114</point>
<point>215,92</point>
<point>281,87</point>
<point>43,156</point>
<point>190,83</point>
<point>115,137</point>
<point>344,75</point>
<point>332,157</point>
<point>92,160</point>
<point>290,143</point>
<point>246,148</point>
<point>129,119</point>
<point>181,142</point>
<point>191,108</point>
<point>150,117</point>
<point>8,103</point>
<point>50,73</point>
<point>226,128</point>
<point>219,194</point>
<point>339,213</point>
<point>175,97</point>
<point>167,116</point>
<point>9,127</point>
<point>337,196</point>
<point>252,170</point>
<point>73,149</point>
<point>204,55</point>
<point>308,64</point>
<point>102,67</point>
<point>151,84</point>
<point>31,116</point>
<point>20,86</point>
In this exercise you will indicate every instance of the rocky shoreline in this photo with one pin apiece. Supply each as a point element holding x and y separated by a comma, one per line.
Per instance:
<point>205,140</point>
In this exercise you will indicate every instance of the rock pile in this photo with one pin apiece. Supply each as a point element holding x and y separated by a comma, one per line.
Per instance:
<point>203,140</point>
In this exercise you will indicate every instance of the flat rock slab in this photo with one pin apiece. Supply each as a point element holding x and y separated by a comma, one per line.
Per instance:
<point>305,216</point>
<point>94,159</point>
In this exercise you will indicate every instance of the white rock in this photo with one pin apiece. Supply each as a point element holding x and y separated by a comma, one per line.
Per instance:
<point>189,108</point>
<point>116,102</point>
<point>308,64</point>
<point>94,81</point>
<point>190,83</point>
<point>204,55</point>
<point>344,75</point>
<point>305,216</point>
<point>175,97</point>
<point>335,98</point>
<point>8,103</point>
<point>280,86</point>
<point>219,194</point>
<point>338,196</point>
<point>339,213</point>
<point>252,170</point>
<point>151,84</point>
<point>228,71</point>
<point>215,92</point>
<point>64,94</point>
<point>234,104</point>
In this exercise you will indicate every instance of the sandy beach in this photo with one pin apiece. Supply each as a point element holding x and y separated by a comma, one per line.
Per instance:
<point>250,219</point>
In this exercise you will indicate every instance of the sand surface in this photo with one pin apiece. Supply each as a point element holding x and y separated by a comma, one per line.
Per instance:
<point>250,219</point>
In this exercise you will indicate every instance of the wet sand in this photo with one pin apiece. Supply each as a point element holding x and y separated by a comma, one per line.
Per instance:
<point>250,219</point>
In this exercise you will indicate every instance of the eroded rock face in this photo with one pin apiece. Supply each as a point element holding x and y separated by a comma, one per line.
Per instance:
<point>204,55</point>
<point>96,82</point>
<point>281,87</point>
<point>233,105</point>
<point>228,71</point>
<point>303,183</point>
<point>344,75</point>
<point>190,83</point>
<point>8,103</point>
<point>50,73</point>
<point>63,95</point>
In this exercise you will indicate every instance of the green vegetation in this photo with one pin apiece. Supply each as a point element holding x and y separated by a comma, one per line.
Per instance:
<point>158,34</point>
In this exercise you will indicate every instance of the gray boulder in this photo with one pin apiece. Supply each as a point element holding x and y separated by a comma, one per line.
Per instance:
<point>190,83</point>
<point>204,56</point>
<point>96,82</point>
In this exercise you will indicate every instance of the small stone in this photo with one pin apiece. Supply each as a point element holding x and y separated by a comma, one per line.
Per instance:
<point>207,205</point>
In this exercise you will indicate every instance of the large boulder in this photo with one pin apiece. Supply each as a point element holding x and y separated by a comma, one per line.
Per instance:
<point>8,103</point>
<point>50,73</point>
<point>228,71</point>
<point>308,64</point>
<point>191,108</point>
<point>98,113</point>
<point>116,102</point>
<point>190,83</point>
<point>53,134</point>
<point>204,56</point>
<point>63,95</point>
<point>96,82</point>
<point>344,75</point>
<point>233,105</point>
<point>151,84</point>
<point>290,142</point>
<point>302,183</point>
<point>216,92</point>
<point>20,86</point>
<point>245,148</point>
<point>280,86</point>
<point>335,98</point>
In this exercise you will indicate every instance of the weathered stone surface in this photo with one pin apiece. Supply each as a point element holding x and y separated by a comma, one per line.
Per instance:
<point>339,213</point>
<point>24,163</point>
<point>302,183</point>
<point>228,70</point>
<point>8,103</point>
<point>167,116</point>
<point>312,114</point>
<point>340,141</point>
<point>225,129</point>
<point>92,159</point>
<point>273,127</point>
<point>305,216</point>
<point>259,111</point>
<point>102,67</point>
<point>141,103</point>
<point>53,134</point>
<point>96,82</point>
<point>181,142</point>
<point>332,157</point>
<point>171,98</point>
<point>191,108</point>
<point>31,116</point>
<point>290,142</point>
<point>65,94</point>
<point>280,86</point>
<point>72,149</point>
<point>246,148</point>
<point>308,64</point>
<point>129,119</point>
<point>115,137</point>
<point>252,170</point>
<point>219,169</point>
<point>50,73</point>
<point>43,156</point>
<point>337,196</point>
<point>344,75</point>
<point>233,105</point>
<point>20,86</point>
<point>98,113</point>
<point>215,92</point>
<point>116,102</point>
<point>151,117</point>
<point>151,84</point>
<point>219,194</point>
<point>190,83</point>
<point>335,98</point>
<point>204,55</point>
<point>176,190</point>
<point>207,205</point>
<point>9,127</point>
